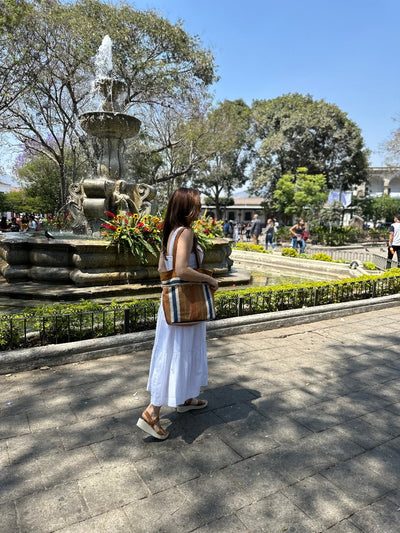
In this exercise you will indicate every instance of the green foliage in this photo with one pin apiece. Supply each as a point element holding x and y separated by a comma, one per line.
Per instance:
<point>336,236</point>
<point>46,63</point>
<point>381,208</point>
<point>289,252</point>
<point>300,194</point>
<point>369,265</point>
<point>140,234</point>
<point>322,257</point>
<point>294,131</point>
<point>248,247</point>
<point>68,322</point>
<point>220,140</point>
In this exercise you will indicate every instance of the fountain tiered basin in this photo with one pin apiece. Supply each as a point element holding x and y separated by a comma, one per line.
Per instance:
<point>84,262</point>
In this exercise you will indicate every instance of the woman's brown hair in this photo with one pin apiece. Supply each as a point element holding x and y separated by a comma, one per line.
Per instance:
<point>182,210</point>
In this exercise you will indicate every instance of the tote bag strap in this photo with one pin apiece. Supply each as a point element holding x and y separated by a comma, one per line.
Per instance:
<point>175,248</point>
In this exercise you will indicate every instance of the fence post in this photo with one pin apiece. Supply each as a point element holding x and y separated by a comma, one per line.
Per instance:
<point>373,288</point>
<point>315,296</point>
<point>240,306</point>
<point>126,320</point>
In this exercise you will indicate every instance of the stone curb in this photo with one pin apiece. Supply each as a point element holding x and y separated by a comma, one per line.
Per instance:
<point>58,354</point>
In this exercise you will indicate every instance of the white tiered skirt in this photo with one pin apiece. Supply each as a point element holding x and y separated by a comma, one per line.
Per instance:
<point>178,367</point>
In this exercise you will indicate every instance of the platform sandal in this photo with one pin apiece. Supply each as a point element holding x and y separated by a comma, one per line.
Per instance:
<point>191,404</point>
<point>146,423</point>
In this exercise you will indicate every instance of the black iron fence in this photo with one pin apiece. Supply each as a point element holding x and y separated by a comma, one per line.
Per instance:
<point>32,330</point>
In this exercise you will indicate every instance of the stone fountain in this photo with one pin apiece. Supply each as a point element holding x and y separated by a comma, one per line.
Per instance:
<point>110,126</point>
<point>85,261</point>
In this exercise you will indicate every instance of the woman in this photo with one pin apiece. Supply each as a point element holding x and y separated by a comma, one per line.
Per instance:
<point>297,234</point>
<point>269,234</point>
<point>178,365</point>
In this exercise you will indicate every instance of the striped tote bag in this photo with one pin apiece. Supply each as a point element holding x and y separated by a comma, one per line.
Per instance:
<point>186,302</point>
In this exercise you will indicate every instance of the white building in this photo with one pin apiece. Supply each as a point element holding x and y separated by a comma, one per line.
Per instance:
<point>381,180</point>
<point>241,211</point>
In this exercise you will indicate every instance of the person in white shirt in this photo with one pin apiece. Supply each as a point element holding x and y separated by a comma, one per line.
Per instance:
<point>394,242</point>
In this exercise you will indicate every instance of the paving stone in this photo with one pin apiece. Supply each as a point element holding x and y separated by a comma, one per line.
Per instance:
<point>114,521</point>
<point>358,482</point>
<point>52,509</point>
<point>175,470</point>
<point>10,426</point>
<point>85,433</point>
<point>112,488</point>
<point>300,459</point>
<point>18,480</point>
<point>385,461</point>
<point>361,432</point>
<point>60,466</point>
<point>390,391</point>
<point>87,409</point>
<point>227,523</point>
<point>276,514</point>
<point>227,395</point>
<point>266,476</point>
<point>238,411</point>
<point>19,404</point>
<point>43,418</point>
<point>332,443</point>
<point>238,439</point>
<point>385,421</point>
<point>4,457</point>
<point>33,445</point>
<point>322,501</point>
<point>167,512</point>
<point>215,495</point>
<point>382,516</point>
<point>345,526</point>
<point>124,449</point>
<point>210,453</point>
<point>285,402</point>
<point>189,427</point>
<point>8,518</point>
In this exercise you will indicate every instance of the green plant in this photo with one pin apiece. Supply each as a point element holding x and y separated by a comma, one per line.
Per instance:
<point>248,247</point>
<point>369,265</point>
<point>206,228</point>
<point>322,257</point>
<point>138,233</point>
<point>289,252</point>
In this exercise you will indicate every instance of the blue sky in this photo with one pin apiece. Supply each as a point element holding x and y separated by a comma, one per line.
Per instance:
<point>343,51</point>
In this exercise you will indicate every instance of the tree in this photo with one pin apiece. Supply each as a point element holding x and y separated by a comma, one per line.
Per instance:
<point>50,48</point>
<point>293,130</point>
<point>300,194</point>
<point>379,208</point>
<point>223,150</point>
<point>392,147</point>
<point>39,178</point>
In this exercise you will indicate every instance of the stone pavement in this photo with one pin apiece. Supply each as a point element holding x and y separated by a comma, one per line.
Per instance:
<point>302,434</point>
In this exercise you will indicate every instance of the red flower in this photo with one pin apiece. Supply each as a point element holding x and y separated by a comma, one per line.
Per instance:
<point>159,226</point>
<point>140,225</point>
<point>109,214</point>
<point>146,228</point>
<point>109,226</point>
<point>207,231</point>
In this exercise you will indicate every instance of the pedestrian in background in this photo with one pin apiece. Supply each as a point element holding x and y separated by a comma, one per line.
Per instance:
<point>255,229</point>
<point>270,234</point>
<point>394,242</point>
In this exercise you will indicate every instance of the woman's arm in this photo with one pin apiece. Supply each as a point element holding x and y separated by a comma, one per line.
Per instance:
<point>182,268</point>
<point>292,230</point>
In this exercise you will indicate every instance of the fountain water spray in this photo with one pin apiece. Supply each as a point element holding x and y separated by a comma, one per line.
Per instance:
<point>103,59</point>
<point>109,190</point>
